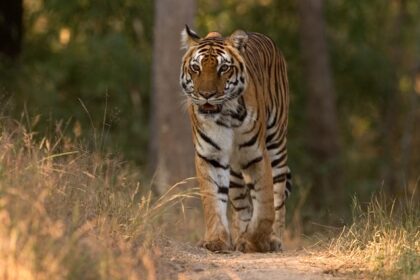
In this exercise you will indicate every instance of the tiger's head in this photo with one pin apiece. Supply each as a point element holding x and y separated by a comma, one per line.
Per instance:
<point>213,70</point>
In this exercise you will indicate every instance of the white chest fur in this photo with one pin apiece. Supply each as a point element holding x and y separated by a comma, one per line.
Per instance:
<point>224,142</point>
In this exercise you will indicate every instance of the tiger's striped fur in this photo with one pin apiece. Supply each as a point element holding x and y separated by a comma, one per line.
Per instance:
<point>237,91</point>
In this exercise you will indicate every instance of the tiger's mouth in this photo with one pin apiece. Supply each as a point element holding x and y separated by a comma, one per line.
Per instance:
<point>208,108</point>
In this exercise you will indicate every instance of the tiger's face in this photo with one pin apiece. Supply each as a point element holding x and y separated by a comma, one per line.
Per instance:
<point>213,70</point>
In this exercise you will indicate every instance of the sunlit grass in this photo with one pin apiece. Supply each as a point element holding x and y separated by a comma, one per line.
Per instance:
<point>384,239</point>
<point>66,212</point>
<point>69,212</point>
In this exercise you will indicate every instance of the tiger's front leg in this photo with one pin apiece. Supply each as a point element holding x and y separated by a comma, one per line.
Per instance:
<point>213,175</point>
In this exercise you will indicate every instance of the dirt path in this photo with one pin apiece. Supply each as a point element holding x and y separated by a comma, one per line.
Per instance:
<point>182,261</point>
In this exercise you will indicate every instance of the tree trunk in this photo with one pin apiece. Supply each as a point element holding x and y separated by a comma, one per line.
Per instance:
<point>392,174</point>
<point>11,27</point>
<point>322,132</point>
<point>171,149</point>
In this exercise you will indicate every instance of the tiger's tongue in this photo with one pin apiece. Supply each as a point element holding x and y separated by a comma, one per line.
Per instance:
<point>208,106</point>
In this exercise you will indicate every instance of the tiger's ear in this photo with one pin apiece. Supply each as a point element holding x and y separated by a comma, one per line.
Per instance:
<point>188,38</point>
<point>238,39</point>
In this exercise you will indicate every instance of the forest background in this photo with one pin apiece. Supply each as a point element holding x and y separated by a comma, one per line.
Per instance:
<point>109,70</point>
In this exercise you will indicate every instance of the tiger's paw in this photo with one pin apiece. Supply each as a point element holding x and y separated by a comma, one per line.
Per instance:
<point>216,245</point>
<point>275,244</point>
<point>251,245</point>
<point>258,244</point>
<point>244,245</point>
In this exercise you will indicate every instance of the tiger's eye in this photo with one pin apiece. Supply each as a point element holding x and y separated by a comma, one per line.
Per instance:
<point>224,68</point>
<point>195,67</point>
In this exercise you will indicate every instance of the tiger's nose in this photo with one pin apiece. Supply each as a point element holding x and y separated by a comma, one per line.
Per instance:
<point>207,94</point>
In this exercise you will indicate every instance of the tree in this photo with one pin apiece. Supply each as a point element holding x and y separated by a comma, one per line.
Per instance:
<point>171,148</point>
<point>11,27</point>
<point>392,115</point>
<point>321,113</point>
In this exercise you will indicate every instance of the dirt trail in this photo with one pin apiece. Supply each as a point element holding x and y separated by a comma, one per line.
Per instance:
<point>182,261</point>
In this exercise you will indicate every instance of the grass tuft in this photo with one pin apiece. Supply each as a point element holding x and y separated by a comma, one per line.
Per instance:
<point>384,238</point>
<point>67,212</point>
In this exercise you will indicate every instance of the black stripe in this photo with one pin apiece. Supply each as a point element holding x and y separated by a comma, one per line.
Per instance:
<point>254,161</point>
<point>281,166</point>
<point>241,196</point>
<point>241,111</point>
<point>184,86</point>
<point>219,52</point>
<point>224,200</point>
<point>236,174</point>
<point>289,175</point>
<point>208,139</point>
<point>213,162</point>
<point>240,116</point>
<point>273,146</point>
<point>234,185</point>
<point>250,186</point>
<point>277,161</point>
<point>239,208</point>
<point>279,178</point>
<point>222,190</point>
<point>270,137</point>
<point>279,207</point>
<point>271,125</point>
<point>218,122</point>
<point>251,141</point>
<point>235,83</point>
<point>289,186</point>
<point>281,150</point>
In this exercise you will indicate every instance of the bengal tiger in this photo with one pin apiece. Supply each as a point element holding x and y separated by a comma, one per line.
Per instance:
<point>237,89</point>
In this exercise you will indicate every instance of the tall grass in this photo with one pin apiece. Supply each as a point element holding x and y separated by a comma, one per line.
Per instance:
<point>384,238</point>
<point>70,213</point>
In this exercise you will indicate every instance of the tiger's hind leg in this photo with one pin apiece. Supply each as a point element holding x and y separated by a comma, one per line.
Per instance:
<point>281,182</point>
<point>282,189</point>
<point>240,199</point>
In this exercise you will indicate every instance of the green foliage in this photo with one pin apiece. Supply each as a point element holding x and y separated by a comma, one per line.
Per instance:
<point>94,52</point>
<point>363,38</point>
<point>95,56</point>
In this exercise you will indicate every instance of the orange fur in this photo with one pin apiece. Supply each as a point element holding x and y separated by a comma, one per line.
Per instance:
<point>238,92</point>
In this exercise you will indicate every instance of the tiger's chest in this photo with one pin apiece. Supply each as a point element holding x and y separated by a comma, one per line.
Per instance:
<point>230,137</point>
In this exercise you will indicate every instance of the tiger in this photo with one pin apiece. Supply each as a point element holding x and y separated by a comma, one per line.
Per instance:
<point>237,101</point>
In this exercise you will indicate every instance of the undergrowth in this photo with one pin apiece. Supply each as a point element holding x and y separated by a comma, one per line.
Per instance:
<point>384,239</point>
<point>70,213</point>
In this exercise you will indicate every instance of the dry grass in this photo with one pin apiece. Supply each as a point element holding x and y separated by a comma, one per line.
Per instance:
<point>384,239</point>
<point>66,212</point>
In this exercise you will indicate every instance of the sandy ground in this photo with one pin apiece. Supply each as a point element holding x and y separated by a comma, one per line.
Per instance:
<point>183,261</point>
